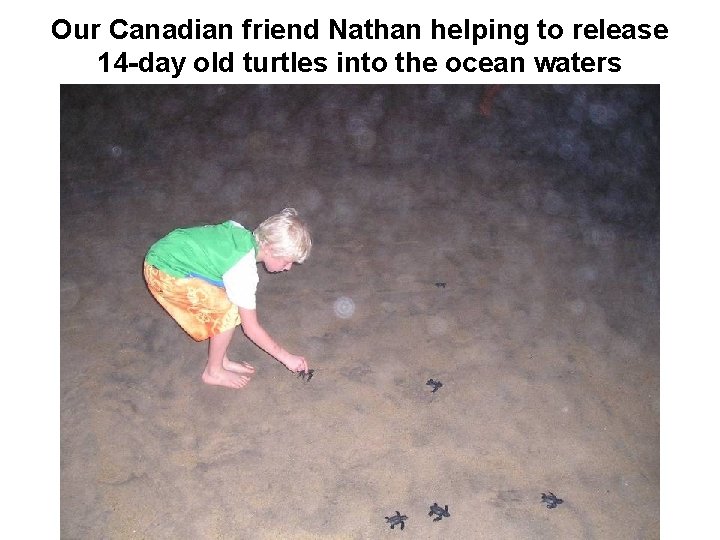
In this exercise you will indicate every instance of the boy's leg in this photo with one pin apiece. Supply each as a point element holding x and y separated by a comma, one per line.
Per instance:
<point>202,310</point>
<point>215,373</point>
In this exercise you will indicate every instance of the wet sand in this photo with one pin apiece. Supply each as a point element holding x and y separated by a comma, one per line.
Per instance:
<point>545,336</point>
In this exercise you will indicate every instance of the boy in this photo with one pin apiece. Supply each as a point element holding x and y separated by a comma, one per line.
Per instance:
<point>206,277</point>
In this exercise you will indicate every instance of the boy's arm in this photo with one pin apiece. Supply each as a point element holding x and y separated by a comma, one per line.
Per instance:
<point>262,339</point>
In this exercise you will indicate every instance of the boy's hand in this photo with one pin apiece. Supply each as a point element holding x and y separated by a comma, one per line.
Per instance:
<point>295,363</point>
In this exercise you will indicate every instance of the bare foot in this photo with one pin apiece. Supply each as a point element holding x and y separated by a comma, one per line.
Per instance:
<point>225,378</point>
<point>238,367</point>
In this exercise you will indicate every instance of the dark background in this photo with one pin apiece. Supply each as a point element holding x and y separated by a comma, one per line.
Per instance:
<point>602,142</point>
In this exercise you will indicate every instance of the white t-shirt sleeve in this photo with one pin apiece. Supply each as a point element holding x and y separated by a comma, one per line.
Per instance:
<point>241,281</point>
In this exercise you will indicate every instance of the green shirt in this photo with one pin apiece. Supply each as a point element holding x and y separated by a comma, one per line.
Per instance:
<point>208,252</point>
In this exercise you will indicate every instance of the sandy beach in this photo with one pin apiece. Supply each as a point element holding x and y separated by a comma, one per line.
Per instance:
<point>503,242</point>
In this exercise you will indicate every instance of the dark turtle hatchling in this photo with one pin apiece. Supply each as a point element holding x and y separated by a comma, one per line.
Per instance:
<point>550,500</point>
<point>434,384</point>
<point>397,519</point>
<point>306,375</point>
<point>441,284</point>
<point>439,511</point>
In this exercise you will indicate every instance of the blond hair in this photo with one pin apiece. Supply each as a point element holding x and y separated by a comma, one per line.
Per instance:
<point>285,235</point>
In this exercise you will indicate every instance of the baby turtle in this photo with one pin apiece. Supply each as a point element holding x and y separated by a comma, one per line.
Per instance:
<point>550,500</point>
<point>440,284</point>
<point>434,384</point>
<point>397,519</point>
<point>306,375</point>
<point>439,511</point>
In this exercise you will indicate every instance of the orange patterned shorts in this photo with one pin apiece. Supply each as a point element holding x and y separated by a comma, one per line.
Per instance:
<point>201,309</point>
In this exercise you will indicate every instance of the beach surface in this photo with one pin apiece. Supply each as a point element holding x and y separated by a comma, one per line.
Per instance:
<point>461,234</point>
